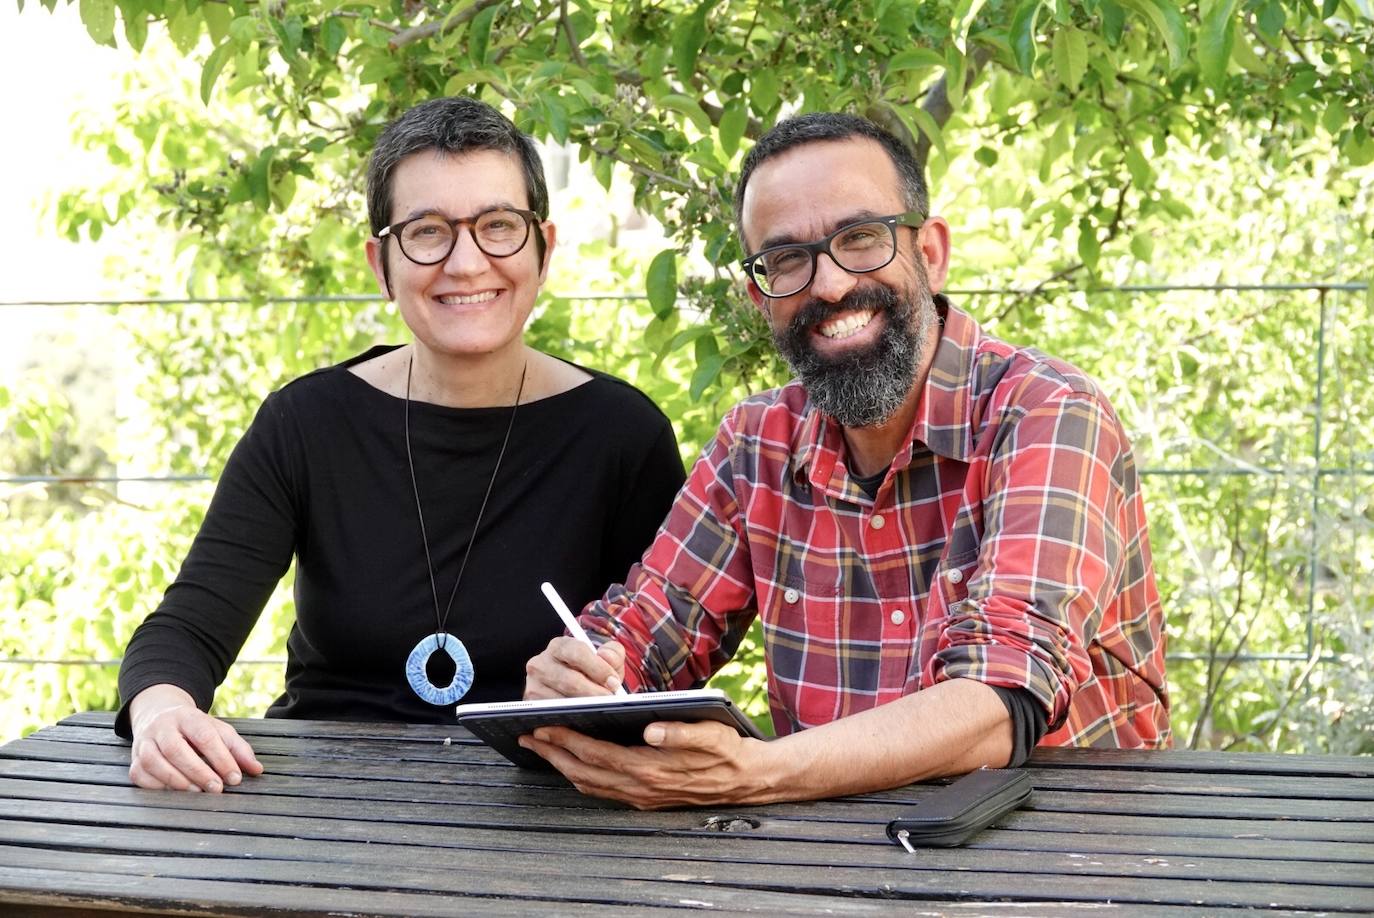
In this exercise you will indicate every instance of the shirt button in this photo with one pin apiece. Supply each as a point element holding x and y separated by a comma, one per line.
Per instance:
<point>954,575</point>
<point>878,521</point>
<point>898,616</point>
<point>790,595</point>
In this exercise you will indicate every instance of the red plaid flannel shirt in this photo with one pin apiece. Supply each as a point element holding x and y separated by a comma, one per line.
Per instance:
<point>1006,544</point>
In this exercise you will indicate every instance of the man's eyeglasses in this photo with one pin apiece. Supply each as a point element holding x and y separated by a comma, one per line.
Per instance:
<point>859,248</point>
<point>430,238</point>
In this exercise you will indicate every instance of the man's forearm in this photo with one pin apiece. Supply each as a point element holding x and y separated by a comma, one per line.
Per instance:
<point>951,728</point>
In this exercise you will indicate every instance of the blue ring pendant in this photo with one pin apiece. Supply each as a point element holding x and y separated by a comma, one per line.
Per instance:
<point>419,679</point>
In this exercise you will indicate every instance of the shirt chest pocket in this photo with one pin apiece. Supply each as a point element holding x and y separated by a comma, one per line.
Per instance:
<point>805,588</point>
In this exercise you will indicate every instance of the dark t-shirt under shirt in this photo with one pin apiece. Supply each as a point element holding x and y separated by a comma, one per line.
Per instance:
<point>321,474</point>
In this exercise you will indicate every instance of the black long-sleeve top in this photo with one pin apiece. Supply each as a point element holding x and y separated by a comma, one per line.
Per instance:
<point>321,475</point>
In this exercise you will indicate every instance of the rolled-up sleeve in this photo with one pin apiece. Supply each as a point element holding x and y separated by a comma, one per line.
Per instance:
<point>1051,556</point>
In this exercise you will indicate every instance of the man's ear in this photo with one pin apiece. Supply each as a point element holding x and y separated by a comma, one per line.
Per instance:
<point>375,257</point>
<point>933,243</point>
<point>757,296</point>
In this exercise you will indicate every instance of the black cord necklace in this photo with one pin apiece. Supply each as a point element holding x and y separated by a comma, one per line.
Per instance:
<point>416,663</point>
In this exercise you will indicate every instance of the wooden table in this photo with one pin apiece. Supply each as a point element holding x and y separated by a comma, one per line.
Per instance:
<point>398,820</point>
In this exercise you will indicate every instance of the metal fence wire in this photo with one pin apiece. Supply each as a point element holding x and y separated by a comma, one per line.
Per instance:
<point>1331,298</point>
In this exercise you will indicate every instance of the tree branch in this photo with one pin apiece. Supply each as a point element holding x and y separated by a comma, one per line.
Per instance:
<point>438,26</point>
<point>573,49</point>
<point>641,169</point>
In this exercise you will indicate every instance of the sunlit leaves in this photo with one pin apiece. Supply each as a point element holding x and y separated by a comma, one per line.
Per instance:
<point>661,282</point>
<point>99,18</point>
<point>1070,51</point>
<point>1216,39</point>
<point>1022,34</point>
<point>1168,21</point>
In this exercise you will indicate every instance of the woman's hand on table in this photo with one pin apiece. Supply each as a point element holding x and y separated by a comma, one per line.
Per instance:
<point>177,746</point>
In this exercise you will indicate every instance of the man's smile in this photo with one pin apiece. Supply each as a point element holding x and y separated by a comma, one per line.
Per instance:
<point>846,324</point>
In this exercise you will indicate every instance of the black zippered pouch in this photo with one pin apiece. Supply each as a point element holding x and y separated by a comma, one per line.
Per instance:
<point>955,813</point>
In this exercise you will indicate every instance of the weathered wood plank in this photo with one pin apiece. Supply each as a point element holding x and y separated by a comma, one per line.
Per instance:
<point>498,805</point>
<point>627,880</point>
<point>1131,759</point>
<point>175,832</point>
<point>183,896</point>
<point>475,784</point>
<point>1050,832</point>
<point>469,752</point>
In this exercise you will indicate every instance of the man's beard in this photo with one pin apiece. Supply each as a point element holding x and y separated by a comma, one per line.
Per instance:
<point>865,387</point>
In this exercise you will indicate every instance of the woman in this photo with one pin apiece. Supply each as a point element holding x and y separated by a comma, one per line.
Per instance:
<point>425,490</point>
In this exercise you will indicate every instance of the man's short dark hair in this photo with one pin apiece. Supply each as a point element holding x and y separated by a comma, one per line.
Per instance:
<point>819,126</point>
<point>452,125</point>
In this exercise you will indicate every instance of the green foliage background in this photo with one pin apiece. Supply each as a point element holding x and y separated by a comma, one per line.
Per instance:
<point>1074,146</point>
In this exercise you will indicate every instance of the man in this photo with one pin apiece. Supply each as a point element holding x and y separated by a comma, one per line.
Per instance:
<point>942,533</point>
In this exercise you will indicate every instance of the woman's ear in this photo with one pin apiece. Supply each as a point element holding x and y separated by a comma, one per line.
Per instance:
<point>376,260</point>
<point>550,233</point>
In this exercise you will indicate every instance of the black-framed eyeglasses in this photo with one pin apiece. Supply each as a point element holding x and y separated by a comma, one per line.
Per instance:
<point>429,238</point>
<point>782,270</point>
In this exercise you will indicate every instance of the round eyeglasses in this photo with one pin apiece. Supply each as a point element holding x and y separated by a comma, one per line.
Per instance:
<point>782,270</point>
<point>430,238</point>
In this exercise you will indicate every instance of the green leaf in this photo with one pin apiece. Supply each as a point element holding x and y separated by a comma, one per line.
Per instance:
<point>557,116</point>
<point>259,177</point>
<point>479,35</point>
<point>332,35</point>
<point>733,120</point>
<point>921,120</point>
<point>709,360</point>
<point>1271,18</point>
<point>964,14</point>
<point>1056,146</point>
<point>1329,8</point>
<point>218,17</point>
<point>763,90</point>
<point>210,72</point>
<point>1089,249</point>
<point>184,29</point>
<point>99,18</point>
<point>1216,39</point>
<point>244,30</point>
<point>915,59</point>
<point>956,71</point>
<point>603,167</point>
<point>1164,15</point>
<point>1243,53</point>
<point>135,28</point>
<point>688,37</point>
<point>1143,247</point>
<point>1113,22</point>
<point>706,372</point>
<point>1334,118</point>
<point>1141,173</point>
<point>1021,35</point>
<point>1070,56</point>
<point>661,283</point>
<point>688,107</point>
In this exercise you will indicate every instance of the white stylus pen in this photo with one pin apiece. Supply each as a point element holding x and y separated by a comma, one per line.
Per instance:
<point>570,621</point>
